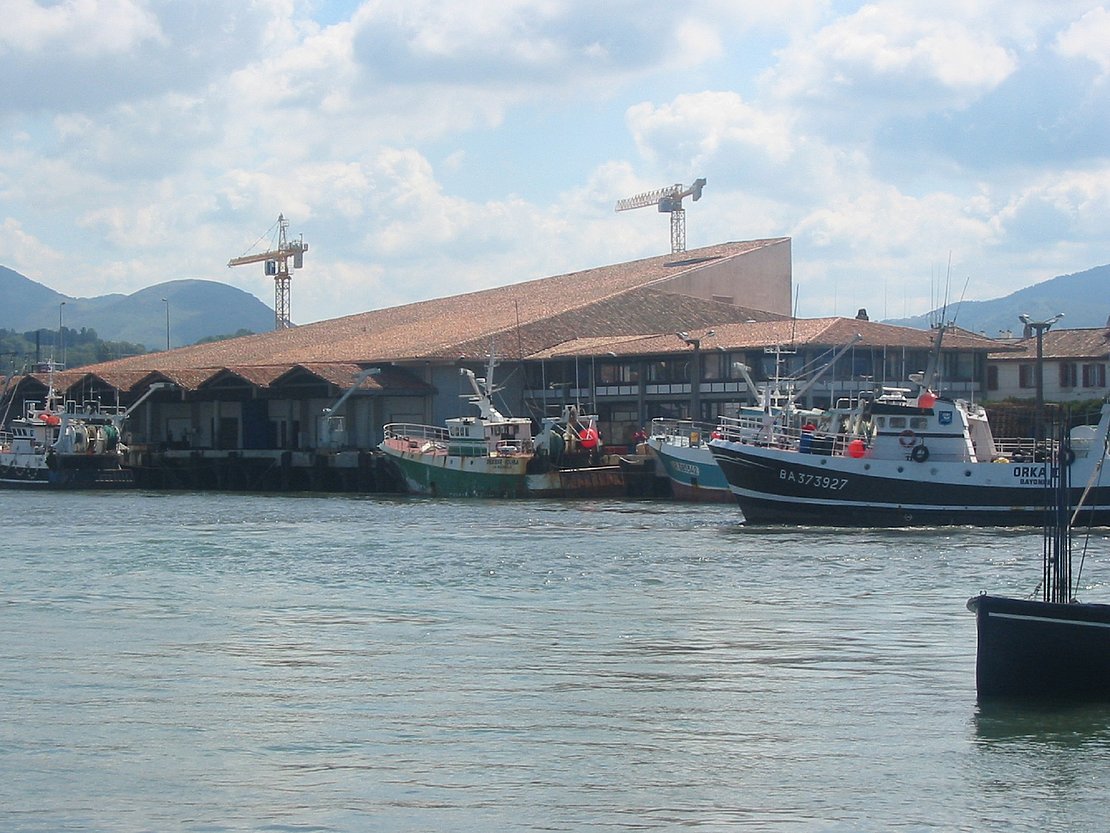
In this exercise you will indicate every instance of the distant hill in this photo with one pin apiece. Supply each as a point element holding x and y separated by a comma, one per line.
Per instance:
<point>1084,298</point>
<point>198,309</point>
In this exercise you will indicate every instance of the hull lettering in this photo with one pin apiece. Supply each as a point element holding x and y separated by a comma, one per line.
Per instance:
<point>816,481</point>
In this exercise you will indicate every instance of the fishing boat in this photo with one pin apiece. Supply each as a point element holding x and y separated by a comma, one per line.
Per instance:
<point>681,447</point>
<point>1054,646</point>
<point>63,444</point>
<point>493,455</point>
<point>893,460</point>
<point>896,458</point>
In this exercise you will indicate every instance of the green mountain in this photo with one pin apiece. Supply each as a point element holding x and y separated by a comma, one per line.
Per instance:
<point>1084,298</point>
<point>197,309</point>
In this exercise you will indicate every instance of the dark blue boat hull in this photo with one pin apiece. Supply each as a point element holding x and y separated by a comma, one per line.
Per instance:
<point>1035,649</point>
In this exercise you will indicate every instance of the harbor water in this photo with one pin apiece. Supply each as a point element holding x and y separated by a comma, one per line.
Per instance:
<point>216,662</point>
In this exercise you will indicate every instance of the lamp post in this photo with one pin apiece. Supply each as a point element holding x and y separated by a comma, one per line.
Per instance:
<point>61,335</point>
<point>695,373</point>
<point>1040,328</point>
<point>167,303</point>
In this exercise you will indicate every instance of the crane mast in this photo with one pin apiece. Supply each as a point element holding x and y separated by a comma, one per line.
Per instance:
<point>277,265</point>
<point>669,200</point>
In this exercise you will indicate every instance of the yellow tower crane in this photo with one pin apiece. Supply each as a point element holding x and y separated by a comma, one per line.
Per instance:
<point>277,264</point>
<point>669,200</point>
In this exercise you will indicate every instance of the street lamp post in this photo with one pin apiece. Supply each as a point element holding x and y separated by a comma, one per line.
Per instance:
<point>695,373</point>
<point>1040,328</point>
<point>167,303</point>
<point>61,335</point>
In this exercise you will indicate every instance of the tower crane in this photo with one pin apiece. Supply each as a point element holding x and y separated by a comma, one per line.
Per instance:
<point>277,264</point>
<point>669,200</point>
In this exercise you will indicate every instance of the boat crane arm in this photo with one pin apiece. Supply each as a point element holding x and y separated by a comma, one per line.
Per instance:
<point>745,371</point>
<point>855,340</point>
<point>482,396</point>
<point>154,388</point>
<point>360,377</point>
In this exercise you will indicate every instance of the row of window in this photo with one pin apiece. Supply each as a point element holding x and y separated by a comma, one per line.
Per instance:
<point>1072,375</point>
<point>720,366</point>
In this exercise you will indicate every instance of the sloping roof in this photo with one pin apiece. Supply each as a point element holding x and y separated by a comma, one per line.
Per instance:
<point>524,318</point>
<point>821,332</point>
<point>1082,343</point>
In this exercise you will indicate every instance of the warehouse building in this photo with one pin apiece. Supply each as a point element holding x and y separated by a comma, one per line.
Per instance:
<point>670,336</point>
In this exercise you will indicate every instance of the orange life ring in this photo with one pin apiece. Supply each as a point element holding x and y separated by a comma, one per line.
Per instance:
<point>907,438</point>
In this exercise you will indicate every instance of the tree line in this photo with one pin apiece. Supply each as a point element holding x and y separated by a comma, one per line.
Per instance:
<point>20,352</point>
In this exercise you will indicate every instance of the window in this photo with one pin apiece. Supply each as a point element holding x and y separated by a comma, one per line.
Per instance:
<point>1025,376</point>
<point>992,377</point>
<point>1068,375</point>
<point>714,366</point>
<point>959,366</point>
<point>1094,375</point>
<point>666,371</point>
<point>614,373</point>
<point>863,366</point>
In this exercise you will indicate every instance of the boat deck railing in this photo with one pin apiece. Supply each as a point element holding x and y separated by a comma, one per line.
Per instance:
<point>752,430</point>
<point>681,432</point>
<point>416,434</point>
<point>1026,450</point>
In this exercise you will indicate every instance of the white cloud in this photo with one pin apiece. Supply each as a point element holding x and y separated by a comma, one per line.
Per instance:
<point>888,53</point>
<point>1088,37</point>
<point>881,136</point>
<point>80,27</point>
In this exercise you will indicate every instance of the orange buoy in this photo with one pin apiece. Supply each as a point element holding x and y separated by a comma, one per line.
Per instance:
<point>856,449</point>
<point>588,438</point>
<point>927,399</point>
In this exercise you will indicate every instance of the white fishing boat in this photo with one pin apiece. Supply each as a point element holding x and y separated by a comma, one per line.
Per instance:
<point>891,460</point>
<point>492,455</point>
<point>894,458</point>
<point>681,447</point>
<point>61,443</point>
<point>64,444</point>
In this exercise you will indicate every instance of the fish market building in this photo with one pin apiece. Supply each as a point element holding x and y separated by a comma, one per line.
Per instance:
<point>674,336</point>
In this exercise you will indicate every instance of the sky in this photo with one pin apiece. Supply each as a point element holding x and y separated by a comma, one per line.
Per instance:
<point>915,151</point>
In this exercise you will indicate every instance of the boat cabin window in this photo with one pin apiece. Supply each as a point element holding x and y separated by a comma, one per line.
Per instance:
<point>880,422</point>
<point>897,422</point>
<point>919,423</point>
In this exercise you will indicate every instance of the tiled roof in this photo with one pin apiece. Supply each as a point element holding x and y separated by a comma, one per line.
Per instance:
<point>822,332</point>
<point>1084,343</point>
<point>624,309</point>
<point>523,318</point>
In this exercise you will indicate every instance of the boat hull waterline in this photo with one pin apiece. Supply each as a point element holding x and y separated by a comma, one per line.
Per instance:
<point>693,473</point>
<point>1029,648</point>
<point>775,488</point>
<point>494,477</point>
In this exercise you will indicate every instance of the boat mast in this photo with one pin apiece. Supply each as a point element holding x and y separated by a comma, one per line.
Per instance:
<point>1057,533</point>
<point>930,380</point>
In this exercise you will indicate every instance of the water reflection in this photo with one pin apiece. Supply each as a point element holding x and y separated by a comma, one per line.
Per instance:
<point>1066,725</point>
